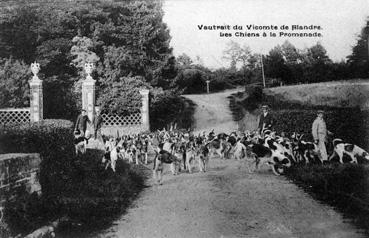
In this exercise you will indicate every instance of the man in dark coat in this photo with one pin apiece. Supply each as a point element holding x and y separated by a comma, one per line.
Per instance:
<point>266,121</point>
<point>81,122</point>
<point>98,121</point>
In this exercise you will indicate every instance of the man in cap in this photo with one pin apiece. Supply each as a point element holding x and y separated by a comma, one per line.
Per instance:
<point>266,121</point>
<point>82,121</point>
<point>320,132</point>
<point>97,121</point>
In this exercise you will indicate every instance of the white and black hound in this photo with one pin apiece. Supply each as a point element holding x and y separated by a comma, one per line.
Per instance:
<point>353,151</point>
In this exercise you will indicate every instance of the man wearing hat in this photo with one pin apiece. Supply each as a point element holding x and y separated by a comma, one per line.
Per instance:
<point>320,132</point>
<point>266,121</point>
<point>82,121</point>
<point>97,122</point>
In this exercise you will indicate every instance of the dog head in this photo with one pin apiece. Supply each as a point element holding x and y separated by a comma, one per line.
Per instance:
<point>365,155</point>
<point>280,158</point>
<point>77,133</point>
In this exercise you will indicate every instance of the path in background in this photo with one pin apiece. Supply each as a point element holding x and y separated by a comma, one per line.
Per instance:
<point>212,112</point>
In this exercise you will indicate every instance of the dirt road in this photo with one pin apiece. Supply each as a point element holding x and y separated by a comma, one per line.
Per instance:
<point>227,201</point>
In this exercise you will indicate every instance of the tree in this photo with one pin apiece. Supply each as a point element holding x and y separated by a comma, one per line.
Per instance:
<point>274,64</point>
<point>137,31</point>
<point>82,53</point>
<point>165,75</point>
<point>316,65</point>
<point>291,54</point>
<point>237,54</point>
<point>129,37</point>
<point>18,38</point>
<point>184,60</point>
<point>123,98</point>
<point>358,61</point>
<point>14,88</point>
<point>293,59</point>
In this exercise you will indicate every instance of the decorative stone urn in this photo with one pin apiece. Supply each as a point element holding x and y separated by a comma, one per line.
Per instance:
<point>89,68</point>
<point>35,68</point>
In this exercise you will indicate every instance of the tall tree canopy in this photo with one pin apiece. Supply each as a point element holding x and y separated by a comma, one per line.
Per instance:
<point>359,59</point>
<point>124,38</point>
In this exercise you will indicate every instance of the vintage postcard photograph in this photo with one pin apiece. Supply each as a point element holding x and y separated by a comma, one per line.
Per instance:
<point>184,118</point>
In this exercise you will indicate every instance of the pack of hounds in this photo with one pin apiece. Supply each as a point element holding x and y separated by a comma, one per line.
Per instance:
<point>183,150</point>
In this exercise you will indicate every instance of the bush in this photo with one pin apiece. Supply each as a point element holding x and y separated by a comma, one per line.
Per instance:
<point>349,124</point>
<point>76,187</point>
<point>165,106</point>
<point>343,186</point>
<point>191,80</point>
<point>52,139</point>
<point>92,197</point>
<point>345,123</point>
<point>122,98</point>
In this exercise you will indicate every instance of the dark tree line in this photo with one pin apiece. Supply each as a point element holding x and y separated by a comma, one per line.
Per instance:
<point>129,44</point>
<point>127,40</point>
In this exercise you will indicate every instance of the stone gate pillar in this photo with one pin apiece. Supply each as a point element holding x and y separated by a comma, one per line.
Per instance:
<point>36,95</point>
<point>88,92</point>
<point>145,109</point>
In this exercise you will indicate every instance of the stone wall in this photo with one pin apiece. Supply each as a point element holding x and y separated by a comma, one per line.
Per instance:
<point>18,171</point>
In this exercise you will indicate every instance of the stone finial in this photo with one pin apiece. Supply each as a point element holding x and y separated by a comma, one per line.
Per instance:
<point>35,68</point>
<point>144,92</point>
<point>89,68</point>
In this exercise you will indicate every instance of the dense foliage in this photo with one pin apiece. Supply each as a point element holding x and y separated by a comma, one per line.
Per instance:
<point>358,61</point>
<point>14,89</point>
<point>350,124</point>
<point>124,38</point>
<point>78,188</point>
<point>53,139</point>
<point>128,41</point>
<point>343,186</point>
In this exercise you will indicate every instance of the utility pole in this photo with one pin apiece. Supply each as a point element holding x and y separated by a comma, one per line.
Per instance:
<point>207,86</point>
<point>262,70</point>
<point>368,46</point>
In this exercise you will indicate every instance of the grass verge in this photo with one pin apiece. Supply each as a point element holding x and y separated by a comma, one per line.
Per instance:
<point>344,186</point>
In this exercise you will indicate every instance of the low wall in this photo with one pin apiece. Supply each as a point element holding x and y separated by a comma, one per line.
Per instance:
<point>122,130</point>
<point>18,171</point>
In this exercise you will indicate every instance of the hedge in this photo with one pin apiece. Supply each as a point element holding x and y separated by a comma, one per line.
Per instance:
<point>53,140</point>
<point>349,124</point>
<point>75,187</point>
<point>345,186</point>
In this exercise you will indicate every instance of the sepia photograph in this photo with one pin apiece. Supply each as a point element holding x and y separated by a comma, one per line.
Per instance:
<point>184,118</point>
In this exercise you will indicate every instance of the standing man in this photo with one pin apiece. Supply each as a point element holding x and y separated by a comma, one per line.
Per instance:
<point>97,124</point>
<point>320,132</point>
<point>266,121</point>
<point>81,123</point>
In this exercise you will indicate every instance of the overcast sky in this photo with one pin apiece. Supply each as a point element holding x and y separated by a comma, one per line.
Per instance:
<point>341,21</point>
